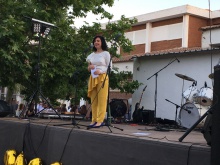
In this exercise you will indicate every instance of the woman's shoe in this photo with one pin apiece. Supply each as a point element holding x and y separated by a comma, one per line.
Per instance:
<point>98,126</point>
<point>92,125</point>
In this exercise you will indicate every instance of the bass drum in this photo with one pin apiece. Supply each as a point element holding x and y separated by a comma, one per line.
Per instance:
<point>118,108</point>
<point>190,113</point>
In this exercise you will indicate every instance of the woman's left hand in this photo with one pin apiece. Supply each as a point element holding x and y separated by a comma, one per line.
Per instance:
<point>97,72</point>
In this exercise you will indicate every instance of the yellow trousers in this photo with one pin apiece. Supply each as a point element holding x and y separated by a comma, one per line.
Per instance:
<point>98,95</point>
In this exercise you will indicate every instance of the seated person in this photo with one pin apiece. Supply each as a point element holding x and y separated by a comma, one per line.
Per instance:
<point>74,109</point>
<point>63,108</point>
<point>83,110</point>
<point>21,107</point>
<point>30,111</point>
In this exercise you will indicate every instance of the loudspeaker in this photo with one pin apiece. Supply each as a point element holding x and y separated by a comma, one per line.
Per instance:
<point>4,108</point>
<point>148,116</point>
<point>215,127</point>
<point>207,129</point>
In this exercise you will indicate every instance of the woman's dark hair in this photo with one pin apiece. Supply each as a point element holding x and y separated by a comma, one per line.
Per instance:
<point>104,44</point>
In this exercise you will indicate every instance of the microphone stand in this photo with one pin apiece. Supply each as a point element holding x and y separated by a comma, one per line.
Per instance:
<point>108,122</point>
<point>74,123</point>
<point>177,106</point>
<point>155,96</point>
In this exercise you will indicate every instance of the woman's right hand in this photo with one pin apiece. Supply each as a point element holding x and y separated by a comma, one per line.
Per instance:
<point>91,67</point>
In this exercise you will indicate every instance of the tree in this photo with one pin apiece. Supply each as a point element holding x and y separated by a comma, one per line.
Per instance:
<point>62,53</point>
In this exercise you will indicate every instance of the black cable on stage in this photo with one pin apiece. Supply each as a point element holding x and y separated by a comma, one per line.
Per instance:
<point>43,135</point>
<point>30,137</point>
<point>65,144</point>
<point>189,153</point>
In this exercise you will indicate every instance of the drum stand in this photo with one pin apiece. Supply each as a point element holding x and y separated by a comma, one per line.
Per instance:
<point>184,77</point>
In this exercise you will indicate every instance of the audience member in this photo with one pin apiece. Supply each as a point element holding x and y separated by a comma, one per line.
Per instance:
<point>20,109</point>
<point>63,108</point>
<point>30,111</point>
<point>83,110</point>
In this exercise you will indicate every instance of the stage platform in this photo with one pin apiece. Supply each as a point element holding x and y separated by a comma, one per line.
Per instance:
<point>59,140</point>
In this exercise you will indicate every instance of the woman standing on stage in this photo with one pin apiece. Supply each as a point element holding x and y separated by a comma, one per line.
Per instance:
<point>98,63</point>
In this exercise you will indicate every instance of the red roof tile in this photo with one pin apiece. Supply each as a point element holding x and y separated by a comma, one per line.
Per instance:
<point>162,52</point>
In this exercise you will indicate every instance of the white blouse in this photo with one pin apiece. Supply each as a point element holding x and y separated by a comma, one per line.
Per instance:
<point>100,60</point>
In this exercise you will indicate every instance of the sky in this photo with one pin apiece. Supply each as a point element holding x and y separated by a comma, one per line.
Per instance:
<point>131,8</point>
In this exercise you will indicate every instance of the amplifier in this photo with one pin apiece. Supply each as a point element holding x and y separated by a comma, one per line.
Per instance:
<point>148,116</point>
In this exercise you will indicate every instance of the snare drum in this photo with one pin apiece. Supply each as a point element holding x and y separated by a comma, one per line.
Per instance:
<point>190,94</point>
<point>205,96</point>
<point>190,113</point>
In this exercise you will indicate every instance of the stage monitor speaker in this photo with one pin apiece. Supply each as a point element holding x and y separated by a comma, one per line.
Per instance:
<point>215,134</point>
<point>207,129</point>
<point>4,108</point>
<point>148,116</point>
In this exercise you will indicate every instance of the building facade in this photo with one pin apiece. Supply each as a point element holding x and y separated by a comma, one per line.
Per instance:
<point>159,37</point>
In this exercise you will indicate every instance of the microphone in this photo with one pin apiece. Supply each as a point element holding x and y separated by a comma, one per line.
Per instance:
<point>195,83</point>
<point>177,59</point>
<point>187,110</point>
<point>205,84</point>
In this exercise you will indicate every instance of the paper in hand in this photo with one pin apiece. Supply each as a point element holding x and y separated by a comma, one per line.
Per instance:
<point>92,73</point>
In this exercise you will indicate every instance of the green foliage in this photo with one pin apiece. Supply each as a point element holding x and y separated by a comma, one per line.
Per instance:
<point>120,81</point>
<point>62,69</point>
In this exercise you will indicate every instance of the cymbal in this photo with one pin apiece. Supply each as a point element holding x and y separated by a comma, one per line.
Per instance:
<point>184,77</point>
<point>211,76</point>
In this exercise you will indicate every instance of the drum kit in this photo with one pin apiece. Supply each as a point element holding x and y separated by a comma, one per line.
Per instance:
<point>196,102</point>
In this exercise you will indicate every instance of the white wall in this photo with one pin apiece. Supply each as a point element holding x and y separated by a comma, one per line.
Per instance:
<point>137,37</point>
<point>169,86</point>
<point>124,66</point>
<point>167,32</point>
<point>215,37</point>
